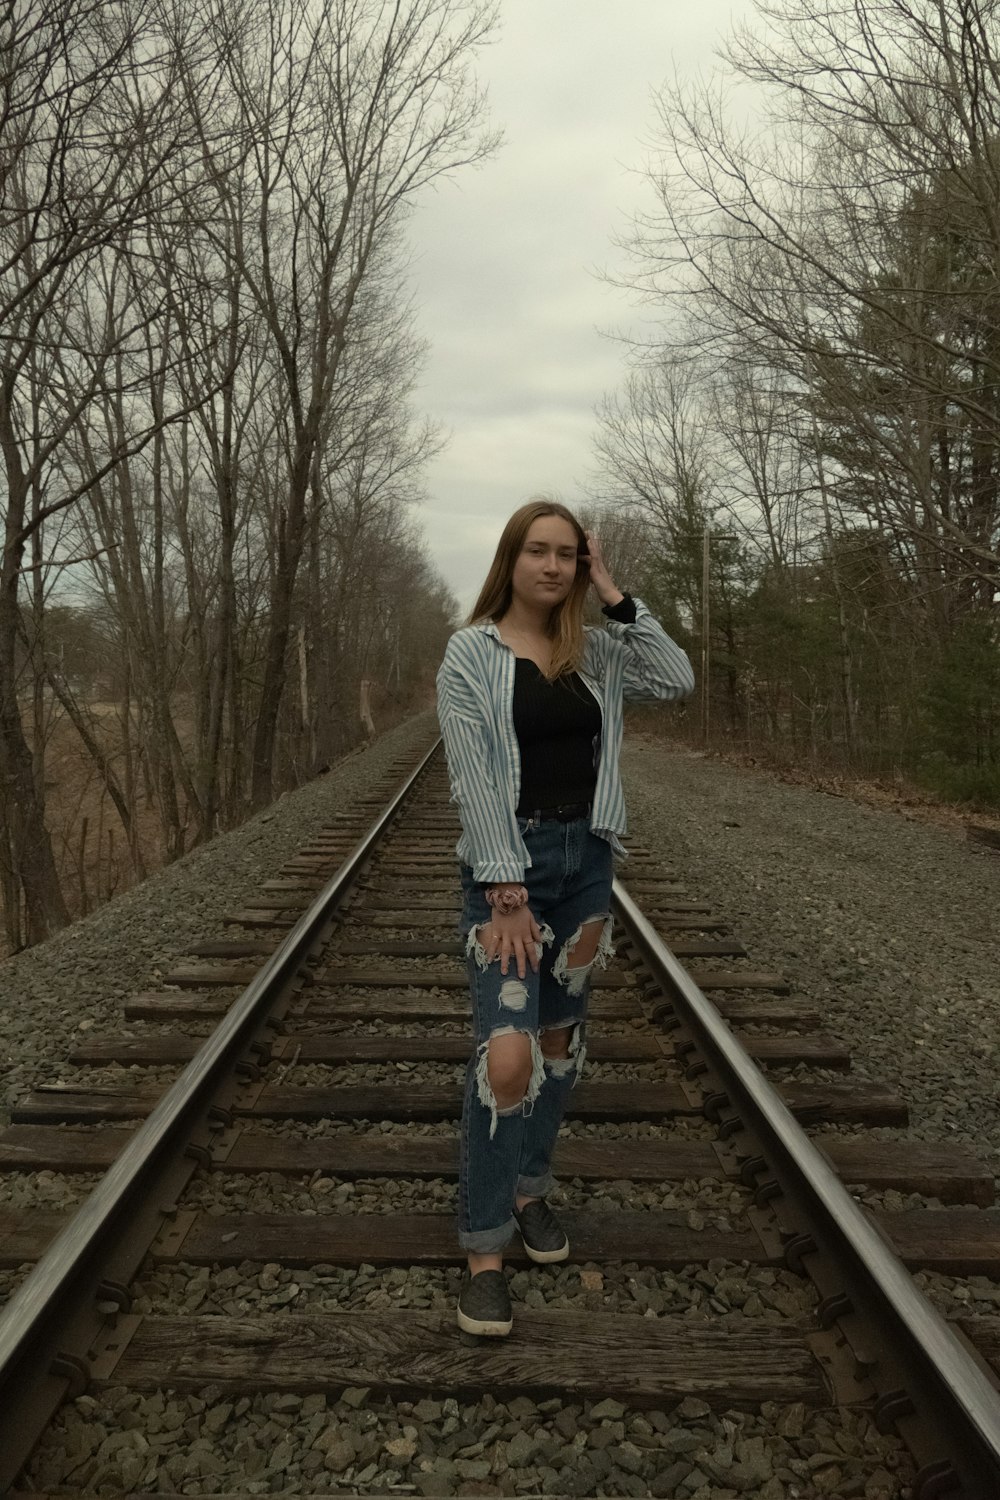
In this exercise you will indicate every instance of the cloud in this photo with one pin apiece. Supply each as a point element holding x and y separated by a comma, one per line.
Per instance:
<point>504,257</point>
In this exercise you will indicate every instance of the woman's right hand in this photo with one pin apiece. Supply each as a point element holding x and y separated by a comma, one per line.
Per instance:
<point>516,936</point>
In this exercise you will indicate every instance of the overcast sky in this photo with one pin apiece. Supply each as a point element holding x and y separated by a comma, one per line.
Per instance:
<point>504,258</point>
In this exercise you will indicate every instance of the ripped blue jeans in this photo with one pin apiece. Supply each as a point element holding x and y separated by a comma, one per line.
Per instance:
<point>509,1151</point>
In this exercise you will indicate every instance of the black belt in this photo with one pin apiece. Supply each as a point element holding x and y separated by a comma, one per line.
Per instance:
<point>566,812</point>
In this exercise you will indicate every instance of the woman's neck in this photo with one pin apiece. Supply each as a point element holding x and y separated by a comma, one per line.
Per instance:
<point>526,621</point>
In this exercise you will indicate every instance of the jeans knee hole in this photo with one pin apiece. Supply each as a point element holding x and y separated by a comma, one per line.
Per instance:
<point>513,994</point>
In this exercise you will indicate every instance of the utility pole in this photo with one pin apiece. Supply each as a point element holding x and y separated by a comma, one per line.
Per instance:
<point>707,537</point>
<point>706,550</point>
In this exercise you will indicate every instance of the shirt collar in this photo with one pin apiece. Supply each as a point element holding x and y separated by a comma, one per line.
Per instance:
<point>489,627</point>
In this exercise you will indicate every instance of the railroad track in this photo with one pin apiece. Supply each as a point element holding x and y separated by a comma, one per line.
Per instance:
<point>322,1042</point>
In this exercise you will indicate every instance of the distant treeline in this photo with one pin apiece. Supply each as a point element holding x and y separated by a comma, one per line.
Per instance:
<point>823,394</point>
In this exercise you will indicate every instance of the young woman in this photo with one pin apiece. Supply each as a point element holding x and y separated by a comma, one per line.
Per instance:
<point>530,703</point>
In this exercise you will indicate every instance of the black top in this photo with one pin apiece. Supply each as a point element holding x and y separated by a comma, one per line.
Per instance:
<point>557,724</point>
<point>558,727</point>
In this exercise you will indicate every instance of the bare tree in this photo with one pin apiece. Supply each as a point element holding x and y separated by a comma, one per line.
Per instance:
<point>342,112</point>
<point>657,451</point>
<point>88,128</point>
<point>822,231</point>
<point>206,358</point>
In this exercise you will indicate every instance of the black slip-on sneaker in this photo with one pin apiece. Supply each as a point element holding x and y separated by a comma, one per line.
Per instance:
<point>484,1304</point>
<point>544,1238</point>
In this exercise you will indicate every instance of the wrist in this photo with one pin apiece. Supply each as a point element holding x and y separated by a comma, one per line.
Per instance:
<point>506,898</point>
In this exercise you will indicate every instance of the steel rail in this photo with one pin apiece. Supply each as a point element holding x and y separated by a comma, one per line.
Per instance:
<point>948,1388</point>
<point>30,1324</point>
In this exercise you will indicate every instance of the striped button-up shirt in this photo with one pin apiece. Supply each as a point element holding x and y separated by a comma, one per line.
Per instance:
<point>636,663</point>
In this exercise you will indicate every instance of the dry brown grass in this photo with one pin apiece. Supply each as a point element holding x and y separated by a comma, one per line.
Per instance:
<point>88,839</point>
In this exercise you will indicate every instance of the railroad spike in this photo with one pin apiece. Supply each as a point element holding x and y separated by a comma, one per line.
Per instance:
<point>935,1480</point>
<point>750,1170</point>
<point>713,1105</point>
<point>74,1368</point>
<point>838,1305</point>
<point>116,1292</point>
<point>796,1250</point>
<point>890,1407</point>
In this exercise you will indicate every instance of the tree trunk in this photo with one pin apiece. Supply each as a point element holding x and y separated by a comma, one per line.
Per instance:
<point>32,861</point>
<point>290,543</point>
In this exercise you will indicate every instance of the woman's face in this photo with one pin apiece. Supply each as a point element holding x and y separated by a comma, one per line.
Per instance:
<point>546,567</point>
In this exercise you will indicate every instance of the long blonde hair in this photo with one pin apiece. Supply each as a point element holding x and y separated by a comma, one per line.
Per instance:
<point>566,620</point>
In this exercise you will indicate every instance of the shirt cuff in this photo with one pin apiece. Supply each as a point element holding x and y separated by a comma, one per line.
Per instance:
<point>623,611</point>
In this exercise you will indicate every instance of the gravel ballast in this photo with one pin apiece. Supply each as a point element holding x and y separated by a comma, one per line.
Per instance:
<point>213,1442</point>
<point>888,925</point>
<point>75,982</point>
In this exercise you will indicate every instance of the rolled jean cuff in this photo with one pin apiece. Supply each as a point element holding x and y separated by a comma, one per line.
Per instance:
<point>536,1187</point>
<point>487,1241</point>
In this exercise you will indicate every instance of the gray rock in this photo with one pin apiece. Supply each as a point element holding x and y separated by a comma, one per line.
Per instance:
<point>665,1482</point>
<point>428,1411</point>
<point>216,1419</point>
<point>439,1468</point>
<point>749,1473</point>
<point>402,1448</point>
<point>339,1455</point>
<point>773,1489</point>
<point>681,1440</point>
<point>434,1484</point>
<point>356,1395</point>
<point>629,1458</point>
<point>472,1468</point>
<point>567,1422</point>
<point>609,1408</point>
<point>601,1462</point>
<point>521,1450</point>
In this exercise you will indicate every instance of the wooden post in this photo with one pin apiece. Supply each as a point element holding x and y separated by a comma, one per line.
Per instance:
<point>367,722</point>
<point>706,550</point>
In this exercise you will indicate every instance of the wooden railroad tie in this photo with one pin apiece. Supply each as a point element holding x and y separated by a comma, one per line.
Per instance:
<point>946,1171</point>
<point>651,1362</point>
<point>153,1051</point>
<point>950,1241</point>
<point>833,1102</point>
<point>417,1005</point>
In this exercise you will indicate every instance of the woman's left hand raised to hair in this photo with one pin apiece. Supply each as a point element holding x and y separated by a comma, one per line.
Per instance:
<point>604,585</point>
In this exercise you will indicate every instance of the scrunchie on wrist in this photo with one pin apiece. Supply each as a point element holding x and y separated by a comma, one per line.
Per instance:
<point>505,899</point>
